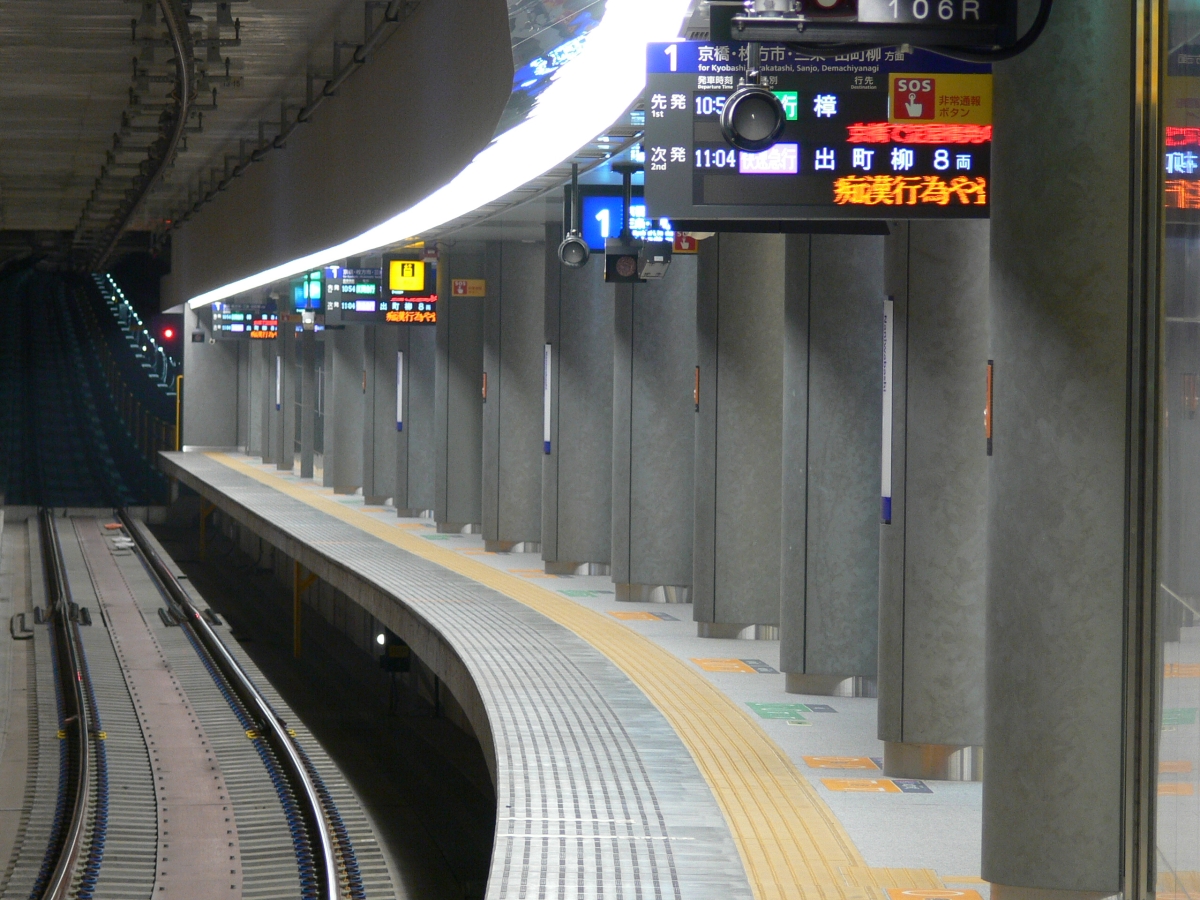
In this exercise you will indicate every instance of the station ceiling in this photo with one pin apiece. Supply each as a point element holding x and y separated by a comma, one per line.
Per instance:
<point>69,83</point>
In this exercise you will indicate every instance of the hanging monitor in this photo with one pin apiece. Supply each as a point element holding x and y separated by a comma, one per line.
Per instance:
<point>874,134</point>
<point>353,295</point>
<point>244,321</point>
<point>409,291</point>
<point>307,292</point>
<point>602,208</point>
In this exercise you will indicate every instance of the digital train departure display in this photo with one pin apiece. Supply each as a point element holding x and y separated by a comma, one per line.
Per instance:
<point>246,321</point>
<point>1181,110</point>
<point>409,291</point>
<point>879,133</point>
<point>352,295</point>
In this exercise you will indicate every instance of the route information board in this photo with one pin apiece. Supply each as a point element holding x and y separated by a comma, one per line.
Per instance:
<point>875,134</point>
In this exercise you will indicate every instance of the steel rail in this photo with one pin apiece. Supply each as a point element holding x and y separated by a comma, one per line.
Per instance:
<point>75,708</point>
<point>274,729</point>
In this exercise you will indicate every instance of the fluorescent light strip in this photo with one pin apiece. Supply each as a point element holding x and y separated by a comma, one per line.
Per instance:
<point>587,95</point>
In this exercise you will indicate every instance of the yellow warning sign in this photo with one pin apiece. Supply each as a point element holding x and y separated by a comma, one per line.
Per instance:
<point>406,275</point>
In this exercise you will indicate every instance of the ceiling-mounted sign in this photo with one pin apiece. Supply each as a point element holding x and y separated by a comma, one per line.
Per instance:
<point>409,290</point>
<point>468,287</point>
<point>352,295</point>
<point>876,134</point>
<point>245,321</point>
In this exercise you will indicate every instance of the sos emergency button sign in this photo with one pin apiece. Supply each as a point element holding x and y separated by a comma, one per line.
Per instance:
<point>940,97</point>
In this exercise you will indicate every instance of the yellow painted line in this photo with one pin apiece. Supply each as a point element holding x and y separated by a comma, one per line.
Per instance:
<point>790,842</point>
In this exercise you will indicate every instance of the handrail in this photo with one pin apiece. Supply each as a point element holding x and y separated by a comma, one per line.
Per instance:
<point>274,728</point>
<point>76,720</point>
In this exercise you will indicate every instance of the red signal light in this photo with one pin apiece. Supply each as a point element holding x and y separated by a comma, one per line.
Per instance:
<point>169,333</point>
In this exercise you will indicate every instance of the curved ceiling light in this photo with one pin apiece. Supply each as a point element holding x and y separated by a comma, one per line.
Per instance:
<point>589,93</point>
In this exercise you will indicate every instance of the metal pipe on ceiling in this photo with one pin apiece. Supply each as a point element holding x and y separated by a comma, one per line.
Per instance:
<point>162,151</point>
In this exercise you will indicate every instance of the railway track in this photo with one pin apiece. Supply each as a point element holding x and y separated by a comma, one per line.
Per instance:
<point>73,859</point>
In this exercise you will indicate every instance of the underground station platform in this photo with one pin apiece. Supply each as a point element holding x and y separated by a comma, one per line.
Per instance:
<point>627,754</point>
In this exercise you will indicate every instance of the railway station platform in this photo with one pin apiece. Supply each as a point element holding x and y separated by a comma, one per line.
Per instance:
<point>628,755</point>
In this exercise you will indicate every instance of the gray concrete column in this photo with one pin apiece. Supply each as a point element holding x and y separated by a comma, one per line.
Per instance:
<point>308,401</point>
<point>344,407</point>
<point>932,614</point>
<point>210,388</point>
<point>513,341</point>
<point>577,470</point>
<point>266,409</point>
<point>832,410</point>
<point>1066,506</point>
<point>259,387</point>
<point>285,420</point>
<point>458,400</point>
<point>416,464</point>
<point>380,344</point>
<point>654,436</point>
<point>739,342</point>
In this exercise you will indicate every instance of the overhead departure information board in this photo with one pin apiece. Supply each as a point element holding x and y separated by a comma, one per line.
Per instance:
<point>352,295</point>
<point>874,134</point>
<point>1181,110</point>
<point>244,321</point>
<point>602,212</point>
<point>409,291</point>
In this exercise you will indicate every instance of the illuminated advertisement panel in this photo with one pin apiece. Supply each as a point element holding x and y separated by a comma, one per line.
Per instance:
<point>884,133</point>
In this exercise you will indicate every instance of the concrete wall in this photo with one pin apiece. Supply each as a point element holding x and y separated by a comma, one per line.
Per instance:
<point>345,409</point>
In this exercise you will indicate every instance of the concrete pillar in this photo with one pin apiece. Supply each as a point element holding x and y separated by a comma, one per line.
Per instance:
<point>739,342</point>
<point>1071,490</point>
<point>285,420</point>
<point>266,353</point>
<point>380,343</point>
<point>257,388</point>
<point>654,436</point>
<point>458,400</point>
<point>308,401</point>
<point>210,389</point>
<point>416,464</point>
<point>932,613</point>
<point>345,402</point>
<point>832,410</point>
<point>577,470</point>
<point>513,341</point>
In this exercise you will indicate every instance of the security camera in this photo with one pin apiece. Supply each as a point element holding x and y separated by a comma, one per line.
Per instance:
<point>753,118</point>
<point>574,251</point>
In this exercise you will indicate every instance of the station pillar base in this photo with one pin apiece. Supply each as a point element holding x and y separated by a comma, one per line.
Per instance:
<point>653,593</point>
<point>566,567</point>
<point>932,762</point>
<point>512,546</point>
<point>831,685</point>
<point>733,631</point>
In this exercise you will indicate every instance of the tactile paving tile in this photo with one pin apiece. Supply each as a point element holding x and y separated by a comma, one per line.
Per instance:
<point>597,795</point>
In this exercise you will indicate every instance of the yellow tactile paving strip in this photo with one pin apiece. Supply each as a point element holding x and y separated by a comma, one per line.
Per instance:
<point>791,844</point>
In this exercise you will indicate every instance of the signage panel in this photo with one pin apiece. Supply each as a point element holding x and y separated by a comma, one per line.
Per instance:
<point>409,291</point>
<point>882,134</point>
<point>244,321</point>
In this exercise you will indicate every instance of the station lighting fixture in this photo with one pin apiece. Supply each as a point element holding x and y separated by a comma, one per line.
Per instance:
<point>610,71</point>
<point>573,251</point>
